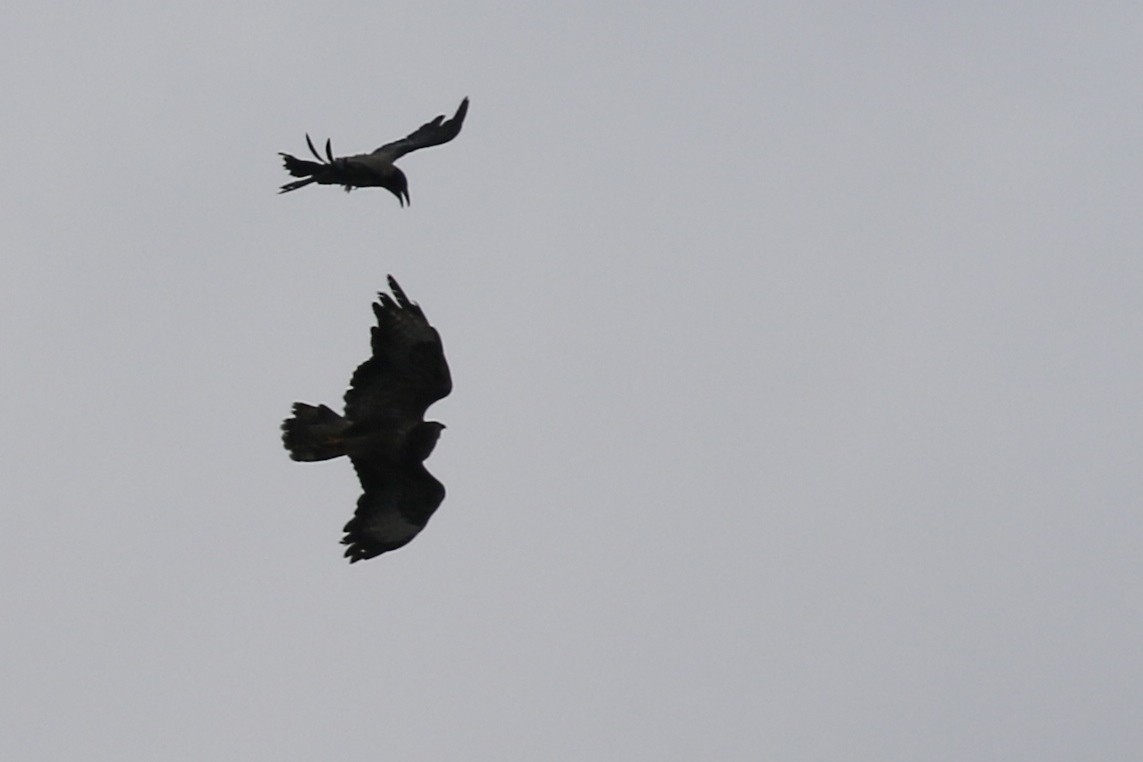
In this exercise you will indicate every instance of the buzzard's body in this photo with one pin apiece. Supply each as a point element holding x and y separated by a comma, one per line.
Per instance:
<point>376,169</point>
<point>383,431</point>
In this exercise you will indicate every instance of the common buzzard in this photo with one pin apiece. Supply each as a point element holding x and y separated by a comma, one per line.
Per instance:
<point>383,431</point>
<point>365,170</point>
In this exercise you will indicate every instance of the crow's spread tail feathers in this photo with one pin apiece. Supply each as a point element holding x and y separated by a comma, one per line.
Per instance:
<point>300,168</point>
<point>305,168</point>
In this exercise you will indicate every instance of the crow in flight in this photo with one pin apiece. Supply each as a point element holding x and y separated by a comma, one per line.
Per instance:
<point>365,170</point>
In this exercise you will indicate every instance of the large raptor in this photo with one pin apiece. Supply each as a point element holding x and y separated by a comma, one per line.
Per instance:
<point>384,431</point>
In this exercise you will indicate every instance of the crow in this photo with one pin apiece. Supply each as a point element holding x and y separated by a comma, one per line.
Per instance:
<point>376,169</point>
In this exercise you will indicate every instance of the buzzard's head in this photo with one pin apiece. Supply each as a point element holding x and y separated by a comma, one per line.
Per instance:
<point>422,439</point>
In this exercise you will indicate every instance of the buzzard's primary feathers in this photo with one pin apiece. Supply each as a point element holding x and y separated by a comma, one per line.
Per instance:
<point>372,169</point>
<point>383,431</point>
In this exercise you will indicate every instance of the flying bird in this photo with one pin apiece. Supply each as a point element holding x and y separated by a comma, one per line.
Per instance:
<point>366,170</point>
<point>384,432</point>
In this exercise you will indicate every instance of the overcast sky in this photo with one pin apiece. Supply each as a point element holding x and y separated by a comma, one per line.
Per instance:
<point>796,350</point>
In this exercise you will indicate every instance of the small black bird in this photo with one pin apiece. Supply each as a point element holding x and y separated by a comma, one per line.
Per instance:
<point>366,170</point>
<point>384,431</point>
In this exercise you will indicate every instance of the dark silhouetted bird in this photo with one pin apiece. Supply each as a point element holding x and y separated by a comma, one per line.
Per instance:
<point>383,431</point>
<point>366,170</point>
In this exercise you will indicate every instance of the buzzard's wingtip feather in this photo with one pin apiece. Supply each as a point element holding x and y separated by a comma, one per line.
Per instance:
<point>399,293</point>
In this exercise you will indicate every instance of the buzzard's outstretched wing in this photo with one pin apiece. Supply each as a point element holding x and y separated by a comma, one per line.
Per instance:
<point>407,371</point>
<point>439,130</point>
<point>396,504</point>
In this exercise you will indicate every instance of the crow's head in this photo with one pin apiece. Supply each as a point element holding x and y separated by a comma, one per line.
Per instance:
<point>397,184</point>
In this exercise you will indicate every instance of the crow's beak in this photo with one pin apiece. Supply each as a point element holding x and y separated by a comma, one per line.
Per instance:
<point>402,196</point>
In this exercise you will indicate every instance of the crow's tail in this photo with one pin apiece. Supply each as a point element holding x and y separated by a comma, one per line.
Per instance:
<point>300,168</point>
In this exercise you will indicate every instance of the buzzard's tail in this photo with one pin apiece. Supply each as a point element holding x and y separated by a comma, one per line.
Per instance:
<point>300,168</point>
<point>314,433</point>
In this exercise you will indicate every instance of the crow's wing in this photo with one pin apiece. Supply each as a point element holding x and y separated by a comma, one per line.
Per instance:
<point>439,130</point>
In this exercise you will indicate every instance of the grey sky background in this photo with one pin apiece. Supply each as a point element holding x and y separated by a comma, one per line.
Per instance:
<point>797,382</point>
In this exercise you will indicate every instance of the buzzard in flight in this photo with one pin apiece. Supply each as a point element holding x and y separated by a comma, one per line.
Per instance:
<point>384,431</point>
<point>365,170</point>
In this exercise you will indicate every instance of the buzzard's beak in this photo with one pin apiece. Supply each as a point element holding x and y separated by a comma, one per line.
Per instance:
<point>406,200</point>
